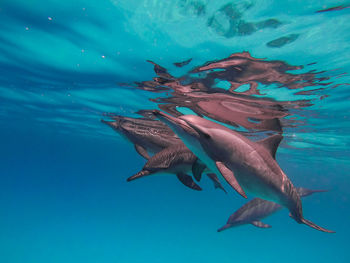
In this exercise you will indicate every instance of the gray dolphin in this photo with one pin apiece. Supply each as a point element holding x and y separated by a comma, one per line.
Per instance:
<point>177,160</point>
<point>245,165</point>
<point>257,209</point>
<point>148,136</point>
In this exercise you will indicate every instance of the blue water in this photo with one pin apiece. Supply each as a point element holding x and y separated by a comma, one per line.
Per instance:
<point>63,190</point>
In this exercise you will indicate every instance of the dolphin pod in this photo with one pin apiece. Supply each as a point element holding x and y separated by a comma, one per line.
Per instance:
<point>246,165</point>
<point>170,155</point>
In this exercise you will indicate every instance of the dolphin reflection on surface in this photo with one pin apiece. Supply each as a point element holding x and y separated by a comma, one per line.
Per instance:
<point>200,90</point>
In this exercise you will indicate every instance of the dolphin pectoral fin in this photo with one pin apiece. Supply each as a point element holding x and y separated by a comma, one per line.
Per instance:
<point>313,225</point>
<point>197,169</point>
<point>216,182</point>
<point>260,224</point>
<point>142,151</point>
<point>140,174</point>
<point>271,144</point>
<point>230,178</point>
<point>188,181</point>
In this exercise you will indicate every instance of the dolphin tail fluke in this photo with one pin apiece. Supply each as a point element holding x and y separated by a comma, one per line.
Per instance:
<point>224,227</point>
<point>306,192</point>
<point>138,175</point>
<point>313,225</point>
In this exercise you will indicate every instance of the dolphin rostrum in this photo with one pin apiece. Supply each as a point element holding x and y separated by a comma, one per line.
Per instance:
<point>245,165</point>
<point>148,136</point>
<point>177,160</point>
<point>257,209</point>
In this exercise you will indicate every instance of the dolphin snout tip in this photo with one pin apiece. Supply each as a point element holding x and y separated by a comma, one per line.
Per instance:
<point>220,229</point>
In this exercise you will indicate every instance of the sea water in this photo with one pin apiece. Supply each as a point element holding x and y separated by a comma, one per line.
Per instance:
<point>63,190</point>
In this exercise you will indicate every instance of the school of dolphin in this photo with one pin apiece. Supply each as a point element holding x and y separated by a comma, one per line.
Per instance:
<point>185,145</point>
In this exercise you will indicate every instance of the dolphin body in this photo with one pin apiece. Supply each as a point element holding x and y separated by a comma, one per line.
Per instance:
<point>257,209</point>
<point>153,137</point>
<point>177,160</point>
<point>245,165</point>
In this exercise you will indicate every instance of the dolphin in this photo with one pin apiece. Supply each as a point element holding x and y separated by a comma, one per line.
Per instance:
<point>245,165</point>
<point>257,209</point>
<point>148,136</point>
<point>177,160</point>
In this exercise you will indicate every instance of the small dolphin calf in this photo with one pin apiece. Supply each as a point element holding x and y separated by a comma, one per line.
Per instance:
<point>257,209</point>
<point>245,165</point>
<point>177,160</point>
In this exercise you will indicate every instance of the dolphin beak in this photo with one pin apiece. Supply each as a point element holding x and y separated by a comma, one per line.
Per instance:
<point>115,124</point>
<point>110,123</point>
<point>175,122</point>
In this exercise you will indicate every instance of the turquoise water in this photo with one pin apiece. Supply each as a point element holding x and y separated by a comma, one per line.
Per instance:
<point>63,190</point>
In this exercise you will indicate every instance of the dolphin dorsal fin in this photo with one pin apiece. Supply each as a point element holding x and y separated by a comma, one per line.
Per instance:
<point>271,144</point>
